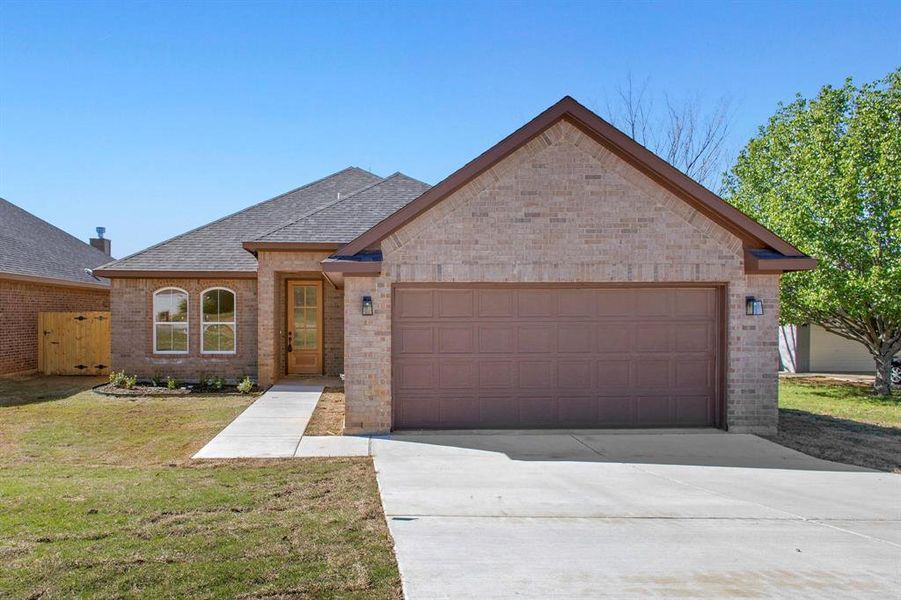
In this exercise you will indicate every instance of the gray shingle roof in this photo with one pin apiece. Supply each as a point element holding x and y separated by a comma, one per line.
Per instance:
<point>349,217</point>
<point>217,245</point>
<point>33,247</point>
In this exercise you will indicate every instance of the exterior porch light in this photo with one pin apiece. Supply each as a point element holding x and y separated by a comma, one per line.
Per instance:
<point>753,306</point>
<point>367,306</point>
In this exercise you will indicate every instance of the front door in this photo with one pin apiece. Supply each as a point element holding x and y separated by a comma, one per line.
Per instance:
<point>305,327</point>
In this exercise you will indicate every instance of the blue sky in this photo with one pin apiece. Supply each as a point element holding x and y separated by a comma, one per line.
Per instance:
<point>154,118</point>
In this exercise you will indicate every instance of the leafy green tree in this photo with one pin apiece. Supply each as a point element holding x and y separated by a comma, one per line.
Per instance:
<point>825,174</point>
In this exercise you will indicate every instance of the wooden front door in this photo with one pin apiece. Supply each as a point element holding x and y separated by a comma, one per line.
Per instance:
<point>305,327</point>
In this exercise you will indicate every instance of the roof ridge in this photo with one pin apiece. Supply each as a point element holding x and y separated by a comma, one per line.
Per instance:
<point>236,213</point>
<point>328,205</point>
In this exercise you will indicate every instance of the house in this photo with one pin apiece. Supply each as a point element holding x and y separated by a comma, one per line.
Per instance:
<point>42,268</point>
<point>812,349</point>
<point>567,277</point>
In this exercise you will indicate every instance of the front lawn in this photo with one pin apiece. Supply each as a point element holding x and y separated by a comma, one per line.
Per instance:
<point>101,500</point>
<point>840,421</point>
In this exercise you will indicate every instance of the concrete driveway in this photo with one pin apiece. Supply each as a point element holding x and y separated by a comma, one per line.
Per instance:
<point>587,515</point>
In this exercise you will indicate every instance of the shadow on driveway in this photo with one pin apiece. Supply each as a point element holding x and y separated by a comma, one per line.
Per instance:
<point>708,448</point>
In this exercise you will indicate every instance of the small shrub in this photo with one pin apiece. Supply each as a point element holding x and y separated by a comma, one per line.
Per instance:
<point>171,383</point>
<point>129,382</point>
<point>116,378</point>
<point>245,386</point>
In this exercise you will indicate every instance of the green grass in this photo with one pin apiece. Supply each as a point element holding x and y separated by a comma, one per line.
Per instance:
<point>99,499</point>
<point>841,401</point>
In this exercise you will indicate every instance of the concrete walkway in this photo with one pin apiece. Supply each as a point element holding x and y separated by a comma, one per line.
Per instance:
<point>624,515</point>
<point>271,427</point>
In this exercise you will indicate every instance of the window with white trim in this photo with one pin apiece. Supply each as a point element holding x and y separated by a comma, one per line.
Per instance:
<point>218,325</point>
<point>170,321</point>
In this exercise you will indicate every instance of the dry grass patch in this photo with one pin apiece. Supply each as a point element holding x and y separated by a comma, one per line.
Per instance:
<point>328,418</point>
<point>101,500</point>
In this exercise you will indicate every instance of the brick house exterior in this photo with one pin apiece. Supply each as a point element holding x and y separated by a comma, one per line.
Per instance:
<point>565,203</point>
<point>20,303</point>
<point>42,269</point>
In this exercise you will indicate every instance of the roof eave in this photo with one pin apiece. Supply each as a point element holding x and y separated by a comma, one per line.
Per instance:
<point>161,274</point>
<point>255,246</point>
<point>758,265</point>
<point>69,283</point>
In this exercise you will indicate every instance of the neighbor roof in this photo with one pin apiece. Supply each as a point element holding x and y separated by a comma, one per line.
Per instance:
<point>31,248</point>
<point>216,247</point>
<point>347,218</point>
<point>753,234</point>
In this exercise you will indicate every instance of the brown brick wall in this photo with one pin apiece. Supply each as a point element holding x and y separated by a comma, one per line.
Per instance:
<point>275,269</point>
<point>20,303</point>
<point>564,209</point>
<point>132,330</point>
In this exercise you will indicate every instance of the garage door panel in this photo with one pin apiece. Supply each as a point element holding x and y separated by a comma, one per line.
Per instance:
<point>413,304</point>
<point>654,411</point>
<point>614,374</point>
<point>455,339</point>
<point>415,374</point>
<point>495,303</point>
<point>458,411</point>
<point>495,374</point>
<point>693,374</point>
<point>497,339</point>
<point>535,375</point>
<point>535,303</point>
<point>614,338</point>
<point>615,303</point>
<point>575,337</point>
<point>535,339</point>
<point>616,411</point>
<point>539,411</point>
<point>656,337</point>
<point>574,374</point>
<point>455,304</point>
<point>692,410</point>
<point>694,302</point>
<point>498,411</point>
<point>473,356</point>
<point>414,340</point>
<point>693,337</point>
<point>578,411</point>
<point>457,374</point>
<point>576,303</point>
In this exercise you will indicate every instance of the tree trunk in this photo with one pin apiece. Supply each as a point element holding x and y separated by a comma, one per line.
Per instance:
<point>883,383</point>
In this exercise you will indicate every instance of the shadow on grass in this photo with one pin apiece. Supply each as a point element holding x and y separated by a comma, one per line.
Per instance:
<point>32,389</point>
<point>841,440</point>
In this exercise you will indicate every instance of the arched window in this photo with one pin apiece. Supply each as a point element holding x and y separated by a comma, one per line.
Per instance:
<point>218,325</point>
<point>170,321</point>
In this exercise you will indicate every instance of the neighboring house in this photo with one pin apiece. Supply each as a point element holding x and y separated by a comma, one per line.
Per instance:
<point>42,268</point>
<point>812,349</point>
<point>567,277</point>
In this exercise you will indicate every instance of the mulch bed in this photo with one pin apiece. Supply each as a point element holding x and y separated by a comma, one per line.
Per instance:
<point>156,391</point>
<point>328,418</point>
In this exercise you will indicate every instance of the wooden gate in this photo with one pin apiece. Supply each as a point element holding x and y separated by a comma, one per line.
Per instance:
<point>74,343</point>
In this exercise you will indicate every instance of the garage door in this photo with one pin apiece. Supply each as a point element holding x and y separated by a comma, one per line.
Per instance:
<point>519,357</point>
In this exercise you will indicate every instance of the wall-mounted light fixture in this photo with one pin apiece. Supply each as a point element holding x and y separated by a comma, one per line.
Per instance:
<point>753,306</point>
<point>367,306</point>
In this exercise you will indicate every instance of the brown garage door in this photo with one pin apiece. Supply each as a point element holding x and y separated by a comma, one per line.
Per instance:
<point>564,356</point>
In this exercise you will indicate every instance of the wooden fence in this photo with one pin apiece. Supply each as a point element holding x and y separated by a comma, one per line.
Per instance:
<point>74,343</point>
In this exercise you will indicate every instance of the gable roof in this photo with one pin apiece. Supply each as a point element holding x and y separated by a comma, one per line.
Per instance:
<point>346,218</point>
<point>217,247</point>
<point>31,248</point>
<point>750,231</point>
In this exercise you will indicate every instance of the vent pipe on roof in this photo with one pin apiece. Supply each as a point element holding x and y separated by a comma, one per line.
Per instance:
<point>101,243</point>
